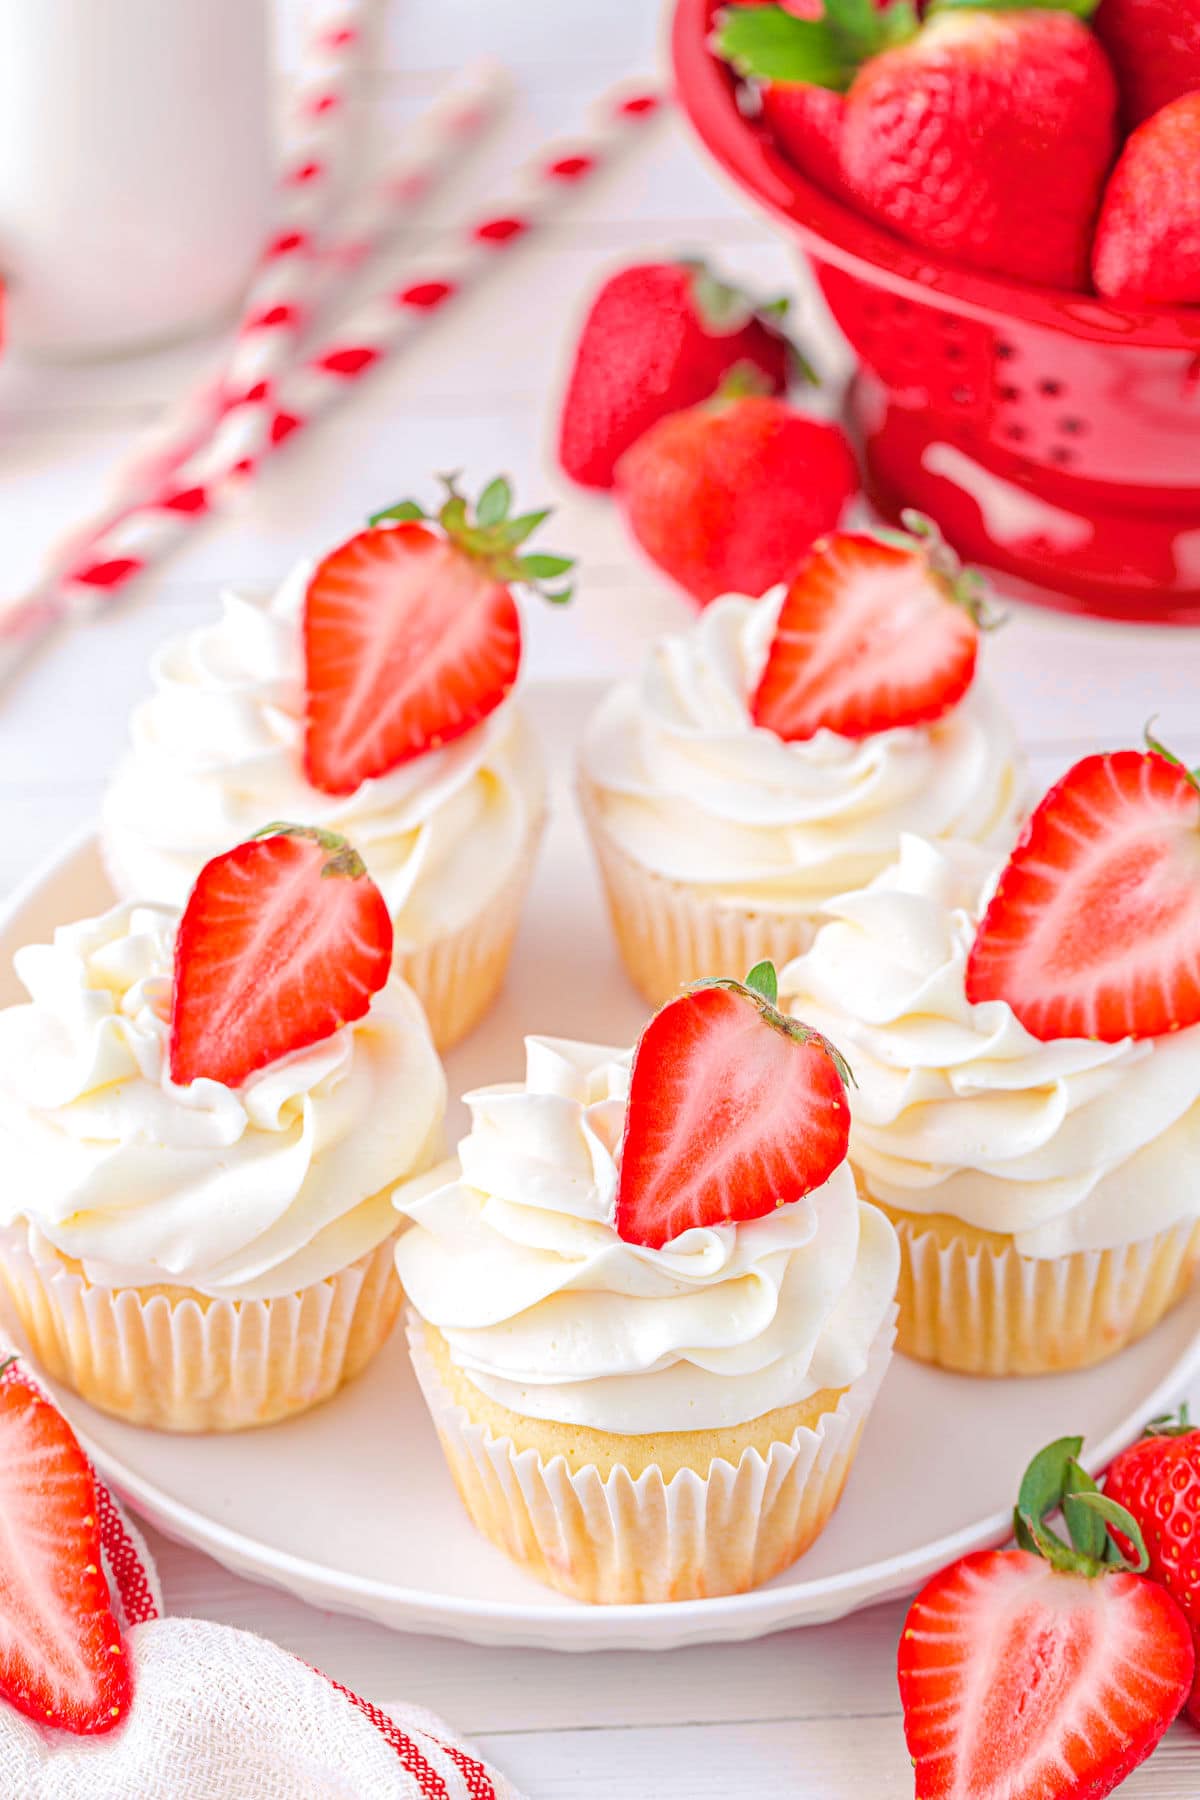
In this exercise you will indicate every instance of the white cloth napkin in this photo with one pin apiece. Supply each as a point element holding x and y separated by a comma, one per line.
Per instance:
<point>219,1714</point>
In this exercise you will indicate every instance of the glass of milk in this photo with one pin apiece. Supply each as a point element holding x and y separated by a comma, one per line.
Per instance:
<point>135,168</point>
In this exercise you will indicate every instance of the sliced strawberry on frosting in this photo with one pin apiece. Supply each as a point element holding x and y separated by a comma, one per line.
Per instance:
<point>1094,927</point>
<point>411,633</point>
<point>61,1657</point>
<point>283,940</point>
<point>874,632</point>
<point>734,1109</point>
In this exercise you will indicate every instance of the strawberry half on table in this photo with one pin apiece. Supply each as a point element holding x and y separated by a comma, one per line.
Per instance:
<point>1093,930</point>
<point>875,631</point>
<point>734,1109</point>
<point>983,132</point>
<point>659,337</point>
<point>411,632</point>
<point>62,1660</point>
<point>1046,1672</point>
<point>727,496</point>
<point>284,939</point>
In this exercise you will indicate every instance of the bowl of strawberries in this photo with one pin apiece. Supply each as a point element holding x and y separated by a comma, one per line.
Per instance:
<point>1001,205</point>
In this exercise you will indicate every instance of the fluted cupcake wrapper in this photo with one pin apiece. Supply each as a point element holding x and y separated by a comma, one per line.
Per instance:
<point>622,1539</point>
<point>179,1361</point>
<point>982,1308</point>
<point>457,977</point>
<point>670,933</point>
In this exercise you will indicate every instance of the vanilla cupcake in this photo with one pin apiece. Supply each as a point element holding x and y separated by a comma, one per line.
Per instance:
<point>719,837</point>
<point>203,1255</point>
<point>449,818</point>
<point>636,1422</point>
<point>1045,1189</point>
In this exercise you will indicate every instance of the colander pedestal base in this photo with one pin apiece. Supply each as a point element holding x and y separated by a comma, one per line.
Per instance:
<point>1079,546</point>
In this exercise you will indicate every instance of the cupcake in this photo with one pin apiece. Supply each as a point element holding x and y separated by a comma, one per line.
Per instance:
<point>771,756</point>
<point>1027,1112</point>
<point>649,1329</point>
<point>372,695</point>
<point>204,1120</point>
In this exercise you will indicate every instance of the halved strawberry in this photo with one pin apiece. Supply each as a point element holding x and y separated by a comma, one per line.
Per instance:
<point>1047,1672</point>
<point>411,635</point>
<point>734,1109</point>
<point>61,1656</point>
<point>283,940</point>
<point>875,632</point>
<point>1094,927</point>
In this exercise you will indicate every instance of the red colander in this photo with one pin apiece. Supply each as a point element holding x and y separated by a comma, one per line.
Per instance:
<point>1052,435</point>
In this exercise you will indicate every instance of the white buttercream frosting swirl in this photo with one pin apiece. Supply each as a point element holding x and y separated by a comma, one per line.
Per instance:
<point>689,787</point>
<point>240,1194</point>
<point>217,753</point>
<point>513,1256</point>
<point>1066,1145</point>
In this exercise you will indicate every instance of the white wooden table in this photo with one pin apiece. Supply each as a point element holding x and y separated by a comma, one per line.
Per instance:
<point>809,1713</point>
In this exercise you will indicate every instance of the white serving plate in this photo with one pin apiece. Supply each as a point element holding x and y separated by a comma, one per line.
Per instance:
<point>351,1507</point>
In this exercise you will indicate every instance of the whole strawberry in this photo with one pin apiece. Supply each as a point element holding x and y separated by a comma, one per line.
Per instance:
<point>1157,1481</point>
<point>1047,1672</point>
<point>658,337</point>
<point>768,45</point>
<point>1155,50</point>
<point>1147,244</point>
<point>984,133</point>
<point>727,497</point>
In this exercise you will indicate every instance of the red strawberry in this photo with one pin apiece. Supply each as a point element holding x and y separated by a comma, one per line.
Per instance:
<point>411,634</point>
<point>658,337</point>
<point>983,134</point>
<point>61,1657</point>
<point>282,941</point>
<point>1094,927</point>
<point>1147,245</point>
<point>803,103</point>
<point>1157,1481</point>
<point>727,496</point>
<point>872,634</point>
<point>734,1109</point>
<point>1045,1672</point>
<point>1155,50</point>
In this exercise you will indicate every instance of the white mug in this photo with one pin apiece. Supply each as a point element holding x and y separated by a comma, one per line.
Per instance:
<point>135,167</point>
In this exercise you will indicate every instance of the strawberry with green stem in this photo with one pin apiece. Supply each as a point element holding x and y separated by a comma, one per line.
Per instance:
<point>1093,930</point>
<point>876,631</point>
<point>983,132</point>
<point>726,497</point>
<point>411,632</point>
<point>659,337</point>
<point>1048,1671</point>
<point>1157,1481</point>
<point>284,939</point>
<point>734,1109</point>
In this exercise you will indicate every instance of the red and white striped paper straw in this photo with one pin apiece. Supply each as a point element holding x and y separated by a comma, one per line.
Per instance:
<point>382,325</point>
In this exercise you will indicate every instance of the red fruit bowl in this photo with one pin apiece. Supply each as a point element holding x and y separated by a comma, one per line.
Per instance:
<point>1052,435</point>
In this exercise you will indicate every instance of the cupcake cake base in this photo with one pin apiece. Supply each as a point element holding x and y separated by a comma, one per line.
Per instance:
<point>678,1516</point>
<point>178,1360</point>
<point>670,933</point>
<point>457,977</point>
<point>970,1302</point>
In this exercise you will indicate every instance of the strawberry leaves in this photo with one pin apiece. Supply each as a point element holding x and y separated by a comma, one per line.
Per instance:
<point>1055,1481</point>
<point>492,539</point>
<point>771,44</point>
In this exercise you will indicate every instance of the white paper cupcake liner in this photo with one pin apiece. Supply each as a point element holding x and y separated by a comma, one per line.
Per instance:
<point>457,977</point>
<point>670,934</point>
<point>981,1308</point>
<point>622,1539</point>
<point>178,1361</point>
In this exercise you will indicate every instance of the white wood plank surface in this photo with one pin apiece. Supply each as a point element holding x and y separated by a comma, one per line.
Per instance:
<point>808,1713</point>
